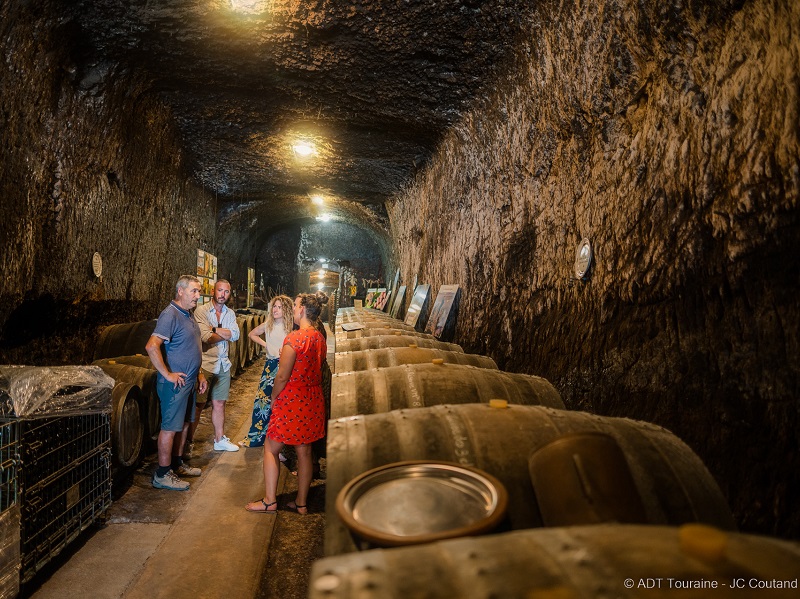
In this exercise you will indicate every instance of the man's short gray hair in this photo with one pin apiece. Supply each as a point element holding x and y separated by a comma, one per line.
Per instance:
<point>184,281</point>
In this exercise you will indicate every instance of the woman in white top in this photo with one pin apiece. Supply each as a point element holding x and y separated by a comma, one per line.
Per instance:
<point>269,334</point>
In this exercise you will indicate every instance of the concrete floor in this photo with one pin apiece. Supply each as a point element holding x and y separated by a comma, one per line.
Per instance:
<point>198,543</point>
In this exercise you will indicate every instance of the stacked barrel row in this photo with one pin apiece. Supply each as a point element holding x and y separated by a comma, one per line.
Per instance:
<point>400,395</point>
<point>136,412</point>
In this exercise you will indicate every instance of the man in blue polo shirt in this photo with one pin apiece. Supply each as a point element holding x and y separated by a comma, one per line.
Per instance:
<point>177,330</point>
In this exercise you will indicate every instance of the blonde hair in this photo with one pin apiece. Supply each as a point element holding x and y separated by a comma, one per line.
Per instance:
<point>288,308</point>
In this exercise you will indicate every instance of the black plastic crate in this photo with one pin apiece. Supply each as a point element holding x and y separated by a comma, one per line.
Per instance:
<point>9,457</point>
<point>56,511</point>
<point>49,445</point>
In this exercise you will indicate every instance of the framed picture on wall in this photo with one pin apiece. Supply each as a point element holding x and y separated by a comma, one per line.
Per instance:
<point>207,274</point>
<point>201,263</point>
<point>441,323</point>
<point>417,313</point>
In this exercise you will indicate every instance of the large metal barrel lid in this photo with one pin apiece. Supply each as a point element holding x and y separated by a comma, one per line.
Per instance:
<point>412,502</point>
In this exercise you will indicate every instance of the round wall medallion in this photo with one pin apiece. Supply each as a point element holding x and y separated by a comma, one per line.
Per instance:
<point>583,258</point>
<point>97,264</point>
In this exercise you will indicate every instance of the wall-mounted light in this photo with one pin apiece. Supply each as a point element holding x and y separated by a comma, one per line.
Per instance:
<point>321,272</point>
<point>318,200</point>
<point>324,218</point>
<point>583,259</point>
<point>320,285</point>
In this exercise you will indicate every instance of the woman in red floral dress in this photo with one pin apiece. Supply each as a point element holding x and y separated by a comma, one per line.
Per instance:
<point>298,407</point>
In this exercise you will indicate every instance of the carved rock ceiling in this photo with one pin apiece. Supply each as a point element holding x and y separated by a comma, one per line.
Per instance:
<point>371,84</point>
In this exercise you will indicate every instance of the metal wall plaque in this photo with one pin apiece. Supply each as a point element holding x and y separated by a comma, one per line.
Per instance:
<point>97,264</point>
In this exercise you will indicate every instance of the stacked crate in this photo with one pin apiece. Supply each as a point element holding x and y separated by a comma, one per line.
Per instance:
<point>61,419</point>
<point>65,483</point>
<point>9,510</point>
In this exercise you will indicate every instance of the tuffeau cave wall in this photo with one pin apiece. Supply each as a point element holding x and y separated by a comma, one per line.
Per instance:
<point>667,134</point>
<point>90,164</point>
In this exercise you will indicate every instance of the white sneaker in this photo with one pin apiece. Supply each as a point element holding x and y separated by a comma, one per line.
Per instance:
<point>224,444</point>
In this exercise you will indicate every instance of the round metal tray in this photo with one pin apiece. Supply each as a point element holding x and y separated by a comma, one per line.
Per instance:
<point>413,502</point>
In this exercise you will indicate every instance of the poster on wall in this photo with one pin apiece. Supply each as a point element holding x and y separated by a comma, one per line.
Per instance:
<point>251,286</point>
<point>207,273</point>
<point>399,302</point>
<point>418,310</point>
<point>441,323</point>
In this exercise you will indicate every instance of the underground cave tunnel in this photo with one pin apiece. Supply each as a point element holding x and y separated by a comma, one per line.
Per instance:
<point>471,143</point>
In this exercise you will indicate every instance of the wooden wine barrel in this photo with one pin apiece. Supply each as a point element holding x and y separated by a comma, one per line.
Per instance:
<point>254,347</point>
<point>377,317</point>
<point>421,385</point>
<point>671,483</point>
<point>242,353</point>
<point>123,339</point>
<point>243,322</point>
<point>344,313</point>
<point>233,356</point>
<point>127,433</point>
<point>369,332</point>
<point>380,341</point>
<point>145,380</point>
<point>139,360</point>
<point>397,356</point>
<point>583,562</point>
<point>393,324</point>
<point>259,351</point>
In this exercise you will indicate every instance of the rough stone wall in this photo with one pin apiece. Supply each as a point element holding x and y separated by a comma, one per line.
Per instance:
<point>277,259</point>
<point>666,133</point>
<point>89,164</point>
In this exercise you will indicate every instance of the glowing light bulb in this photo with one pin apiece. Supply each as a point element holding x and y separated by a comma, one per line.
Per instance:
<point>320,285</point>
<point>324,218</point>
<point>318,200</point>
<point>303,149</point>
<point>321,272</point>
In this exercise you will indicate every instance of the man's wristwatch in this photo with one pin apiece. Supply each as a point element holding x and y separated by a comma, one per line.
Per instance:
<point>213,329</point>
